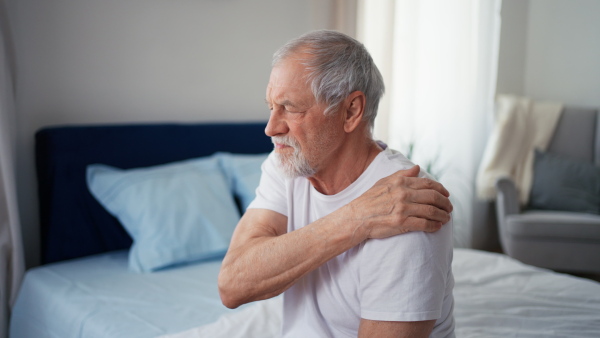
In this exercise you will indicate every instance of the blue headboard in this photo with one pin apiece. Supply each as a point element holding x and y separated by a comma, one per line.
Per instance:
<point>73,224</point>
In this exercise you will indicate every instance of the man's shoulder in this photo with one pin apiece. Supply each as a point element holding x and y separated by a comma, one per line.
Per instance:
<point>395,160</point>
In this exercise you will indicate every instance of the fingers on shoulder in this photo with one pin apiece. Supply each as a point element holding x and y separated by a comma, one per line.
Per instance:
<point>414,181</point>
<point>429,184</point>
<point>434,198</point>
<point>422,224</point>
<point>410,172</point>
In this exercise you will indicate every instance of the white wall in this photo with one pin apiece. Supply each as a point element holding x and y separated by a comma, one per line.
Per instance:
<point>550,50</point>
<point>110,61</point>
<point>513,42</point>
<point>563,55</point>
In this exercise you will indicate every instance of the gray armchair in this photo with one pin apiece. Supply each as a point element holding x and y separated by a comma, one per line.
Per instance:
<point>559,240</point>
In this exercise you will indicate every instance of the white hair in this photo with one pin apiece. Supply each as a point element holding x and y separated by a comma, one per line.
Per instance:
<point>337,66</point>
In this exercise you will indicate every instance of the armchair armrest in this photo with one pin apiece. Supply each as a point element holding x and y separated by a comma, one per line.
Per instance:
<point>507,203</point>
<point>507,198</point>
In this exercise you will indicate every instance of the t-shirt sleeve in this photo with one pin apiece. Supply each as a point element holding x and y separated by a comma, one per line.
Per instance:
<point>406,277</point>
<point>271,191</point>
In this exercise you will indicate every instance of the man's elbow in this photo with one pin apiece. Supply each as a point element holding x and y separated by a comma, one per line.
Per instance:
<point>228,301</point>
<point>227,292</point>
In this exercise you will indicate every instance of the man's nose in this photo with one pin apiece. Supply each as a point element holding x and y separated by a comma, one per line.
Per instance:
<point>276,125</point>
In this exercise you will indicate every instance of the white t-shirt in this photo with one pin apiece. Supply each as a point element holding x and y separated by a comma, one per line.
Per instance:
<point>402,278</point>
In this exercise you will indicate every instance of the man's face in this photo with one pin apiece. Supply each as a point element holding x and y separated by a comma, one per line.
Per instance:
<point>303,136</point>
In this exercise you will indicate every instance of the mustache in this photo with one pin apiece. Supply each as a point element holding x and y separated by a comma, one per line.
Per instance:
<point>285,140</point>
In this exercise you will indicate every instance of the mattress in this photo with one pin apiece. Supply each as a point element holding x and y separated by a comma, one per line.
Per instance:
<point>498,296</point>
<point>495,296</point>
<point>98,296</point>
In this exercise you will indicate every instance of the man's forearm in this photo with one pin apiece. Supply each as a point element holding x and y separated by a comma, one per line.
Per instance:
<point>265,266</point>
<point>383,329</point>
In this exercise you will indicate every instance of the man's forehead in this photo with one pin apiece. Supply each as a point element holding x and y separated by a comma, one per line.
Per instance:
<point>286,97</point>
<point>288,83</point>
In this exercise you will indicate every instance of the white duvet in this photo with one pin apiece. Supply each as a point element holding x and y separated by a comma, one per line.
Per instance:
<point>495,296</point>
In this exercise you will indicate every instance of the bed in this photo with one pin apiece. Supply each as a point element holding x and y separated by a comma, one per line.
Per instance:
<point>105,276</point>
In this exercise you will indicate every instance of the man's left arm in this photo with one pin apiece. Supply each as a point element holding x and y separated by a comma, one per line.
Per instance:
<point>406,284</point>
<point>384,329</point>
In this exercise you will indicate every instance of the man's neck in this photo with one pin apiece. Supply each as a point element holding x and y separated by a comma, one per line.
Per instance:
<point>346,167</point>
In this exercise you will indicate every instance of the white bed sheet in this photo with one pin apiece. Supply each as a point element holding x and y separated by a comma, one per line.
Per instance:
<point>495,296</point>
<point>98,297</point>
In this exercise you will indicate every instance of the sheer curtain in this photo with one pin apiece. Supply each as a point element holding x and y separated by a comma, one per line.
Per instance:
<point>11,251</point>
<point>439,61</point>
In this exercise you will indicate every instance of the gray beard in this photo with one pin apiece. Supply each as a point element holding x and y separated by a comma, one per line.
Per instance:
<point>294,165</point>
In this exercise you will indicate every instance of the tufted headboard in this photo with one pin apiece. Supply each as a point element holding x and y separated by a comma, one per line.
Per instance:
<point>73,224</point>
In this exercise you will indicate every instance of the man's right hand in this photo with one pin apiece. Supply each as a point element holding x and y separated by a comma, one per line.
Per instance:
<point>400,203</point>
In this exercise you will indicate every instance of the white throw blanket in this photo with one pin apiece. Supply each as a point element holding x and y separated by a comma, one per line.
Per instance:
<point>522,125</point>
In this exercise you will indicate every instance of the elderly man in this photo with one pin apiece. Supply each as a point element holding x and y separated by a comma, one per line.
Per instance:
<point>347,229</point>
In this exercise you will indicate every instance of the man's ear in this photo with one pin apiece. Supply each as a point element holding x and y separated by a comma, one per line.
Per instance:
<point>355,108</point>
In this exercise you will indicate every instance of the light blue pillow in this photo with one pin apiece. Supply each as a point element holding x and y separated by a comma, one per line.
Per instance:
<point>175,213</point>
<point>243,172</point>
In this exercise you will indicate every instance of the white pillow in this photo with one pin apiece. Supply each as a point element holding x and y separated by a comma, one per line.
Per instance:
<point>175,213</point>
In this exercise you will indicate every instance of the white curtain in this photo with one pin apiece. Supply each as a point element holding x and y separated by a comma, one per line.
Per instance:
<point>11,251</point>
<point>439,61</point>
